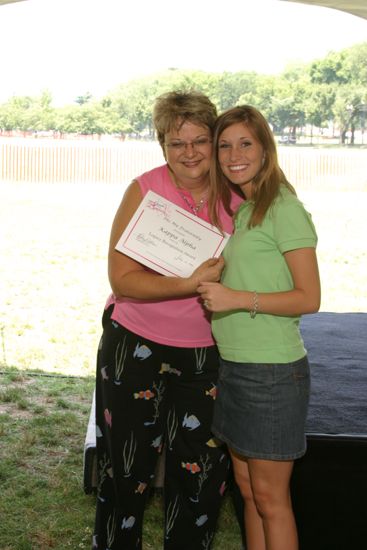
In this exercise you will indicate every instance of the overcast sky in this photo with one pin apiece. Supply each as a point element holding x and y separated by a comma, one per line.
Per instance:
<point>74,46</point>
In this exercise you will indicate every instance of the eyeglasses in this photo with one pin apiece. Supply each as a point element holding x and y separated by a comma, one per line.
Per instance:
<point>197,144</point>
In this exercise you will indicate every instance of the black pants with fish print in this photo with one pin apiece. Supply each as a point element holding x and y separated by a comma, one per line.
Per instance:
<point>150,396</point>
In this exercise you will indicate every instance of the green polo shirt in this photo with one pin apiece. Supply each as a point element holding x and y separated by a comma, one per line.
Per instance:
<point>254,261</point>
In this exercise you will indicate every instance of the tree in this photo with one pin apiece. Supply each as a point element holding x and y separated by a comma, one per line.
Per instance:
<point>83,119</point>
<point>329,70</point>
<point>349,104</point>
<point>328,90</point>
<point>83,99</point>
<point>354,65</point>
<point>319,105</point>
<point>231,87</point>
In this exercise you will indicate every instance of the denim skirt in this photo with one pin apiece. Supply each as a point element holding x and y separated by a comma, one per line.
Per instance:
<point>260,410</point>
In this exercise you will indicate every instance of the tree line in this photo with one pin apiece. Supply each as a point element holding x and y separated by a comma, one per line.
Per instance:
<point>326,93</point>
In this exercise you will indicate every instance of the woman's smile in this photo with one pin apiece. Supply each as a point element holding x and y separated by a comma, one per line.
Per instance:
<point>240,155</point>
<point>237,167</point>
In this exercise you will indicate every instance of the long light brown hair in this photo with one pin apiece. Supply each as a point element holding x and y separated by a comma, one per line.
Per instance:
<point>265,185</point>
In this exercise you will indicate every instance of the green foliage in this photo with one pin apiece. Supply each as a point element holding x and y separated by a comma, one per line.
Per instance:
<point>231,86</point>
<point>85,98</point>
<point>325,91</point>
<point>329,70</point>
<point>355,64</point>
<point>319,104</point>
<point>26,113</point>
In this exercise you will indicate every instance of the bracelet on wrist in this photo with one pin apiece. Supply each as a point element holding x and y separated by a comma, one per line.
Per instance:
<point>255,304</point>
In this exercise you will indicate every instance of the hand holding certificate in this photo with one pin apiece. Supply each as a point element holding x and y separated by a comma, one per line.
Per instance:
<point>168,239</point>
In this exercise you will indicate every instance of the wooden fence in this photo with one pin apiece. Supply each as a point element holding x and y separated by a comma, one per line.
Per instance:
<point>74,161</point>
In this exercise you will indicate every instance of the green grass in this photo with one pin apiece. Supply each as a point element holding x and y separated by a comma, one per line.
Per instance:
<point>43,423</point>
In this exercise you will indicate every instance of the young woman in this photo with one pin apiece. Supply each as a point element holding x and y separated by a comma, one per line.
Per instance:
<point>157,362</point>
<point>270,279</point>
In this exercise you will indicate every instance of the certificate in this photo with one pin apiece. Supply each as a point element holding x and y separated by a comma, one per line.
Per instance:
<point>168,239</point>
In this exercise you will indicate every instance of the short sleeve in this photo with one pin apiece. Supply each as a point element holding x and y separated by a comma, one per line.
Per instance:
<point>294,227</point>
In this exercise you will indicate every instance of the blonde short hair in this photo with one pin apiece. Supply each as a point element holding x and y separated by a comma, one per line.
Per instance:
<point>174,108</point>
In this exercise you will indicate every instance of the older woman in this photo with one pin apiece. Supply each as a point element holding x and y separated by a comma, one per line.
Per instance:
<point>157,363</point>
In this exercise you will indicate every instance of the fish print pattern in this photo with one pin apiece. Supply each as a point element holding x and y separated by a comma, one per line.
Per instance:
<point>139,417</point>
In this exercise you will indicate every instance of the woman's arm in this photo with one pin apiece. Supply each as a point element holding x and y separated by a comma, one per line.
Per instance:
<point>303,298</point>
<point>130,279</point>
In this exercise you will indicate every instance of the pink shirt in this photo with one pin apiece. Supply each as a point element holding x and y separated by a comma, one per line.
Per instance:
<point>181,322</point>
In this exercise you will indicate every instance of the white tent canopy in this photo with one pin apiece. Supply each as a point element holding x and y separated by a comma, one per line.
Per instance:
<point>8,1</point>
<point>356,7</point>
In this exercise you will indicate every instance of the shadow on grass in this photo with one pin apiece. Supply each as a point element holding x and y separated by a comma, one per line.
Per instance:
<point>43,418</point>
<point>43,423</point>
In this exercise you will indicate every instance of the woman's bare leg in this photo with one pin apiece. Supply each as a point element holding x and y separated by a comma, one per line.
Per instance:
<point>269,518</point>
<point>270,481</point>
<point>255,539</point>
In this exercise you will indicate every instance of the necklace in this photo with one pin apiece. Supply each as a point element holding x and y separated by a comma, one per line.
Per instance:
<point>195,208</point>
